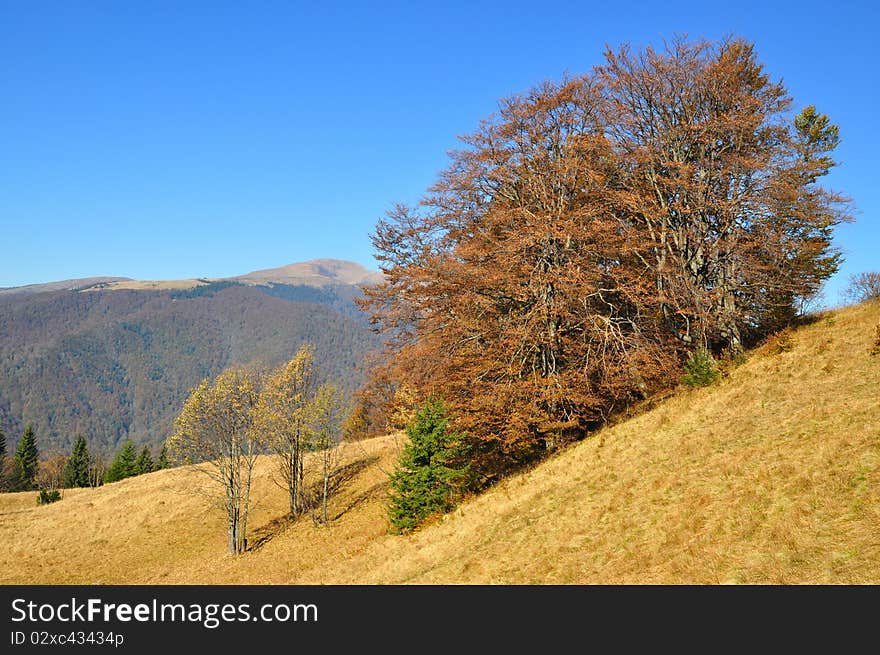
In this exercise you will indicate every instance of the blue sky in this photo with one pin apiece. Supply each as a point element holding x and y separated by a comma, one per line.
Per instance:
<point>182,139</point>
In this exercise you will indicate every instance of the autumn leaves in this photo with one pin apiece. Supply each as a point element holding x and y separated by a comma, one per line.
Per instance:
<point>596,231</point>
<point>243,413</point>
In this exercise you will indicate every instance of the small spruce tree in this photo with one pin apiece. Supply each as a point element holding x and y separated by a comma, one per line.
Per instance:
<point>76,470</point>
<point>431,470</point>
<point>47,496</point>
<point>26,457</point>
<point>124,464</point>
<point>162,462</point>
<point>144,463</point>
<point>701,370</point>
<point>2,446</point>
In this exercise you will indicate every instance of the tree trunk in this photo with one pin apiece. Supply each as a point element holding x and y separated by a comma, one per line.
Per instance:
<point>299,482</point>
<point>245,504</point>
<point>232,535</point>
<point>292,490</point>
<point>324,498</point>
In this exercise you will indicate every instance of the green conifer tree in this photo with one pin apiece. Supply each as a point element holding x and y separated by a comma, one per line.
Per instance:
<point>2,446</point>
<point>124,464</point>
<point>76,471</point>
<point>430,472</point>
<point>144,463</point>
<point>162,462</point>
<point>701,370</point>
<point>26,457</point>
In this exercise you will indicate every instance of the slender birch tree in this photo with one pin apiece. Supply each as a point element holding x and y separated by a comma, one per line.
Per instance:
<point>283,417</point>
<point>216,428</point>
<point>327,414</point>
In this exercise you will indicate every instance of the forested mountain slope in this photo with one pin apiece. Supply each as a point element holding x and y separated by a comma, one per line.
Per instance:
<point>114,363</point>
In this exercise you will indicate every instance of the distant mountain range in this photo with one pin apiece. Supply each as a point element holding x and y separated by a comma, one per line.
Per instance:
<point>114,358</point>
<point>314,273</point>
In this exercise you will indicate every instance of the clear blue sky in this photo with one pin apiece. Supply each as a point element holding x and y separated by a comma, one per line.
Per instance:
<point>182,139</point>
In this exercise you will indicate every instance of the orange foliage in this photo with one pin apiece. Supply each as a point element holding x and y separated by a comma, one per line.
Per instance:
<point>593,232</point>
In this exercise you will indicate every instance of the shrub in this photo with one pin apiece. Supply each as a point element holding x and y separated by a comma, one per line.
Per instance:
<point>875,347</point>
<point>783,342</point>
<point>48,496</point>
<point>431,470</point>
<point>701,370</point>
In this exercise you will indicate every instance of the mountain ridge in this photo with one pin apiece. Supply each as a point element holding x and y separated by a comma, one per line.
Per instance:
<point>322,272</point>
<point>73,284</point>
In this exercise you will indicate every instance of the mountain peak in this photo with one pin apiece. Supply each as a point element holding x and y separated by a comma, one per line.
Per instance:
<point>317,272</point>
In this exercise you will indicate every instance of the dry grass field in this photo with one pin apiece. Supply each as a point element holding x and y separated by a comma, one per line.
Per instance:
<point>150,285</point>
<point>772,476</point>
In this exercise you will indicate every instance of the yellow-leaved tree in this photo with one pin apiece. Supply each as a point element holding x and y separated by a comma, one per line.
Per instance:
<point>327,413</point>
<point>216,427</point>
<point>283,416</point>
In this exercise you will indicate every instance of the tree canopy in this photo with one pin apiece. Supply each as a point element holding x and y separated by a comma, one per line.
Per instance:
<point>595,232</point>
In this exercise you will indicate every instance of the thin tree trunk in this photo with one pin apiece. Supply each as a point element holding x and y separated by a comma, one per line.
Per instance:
<point>292,487</point>
<point>326,486</point>
<point>244,509</point>
<point>231,534</point>
<point>299,477</point>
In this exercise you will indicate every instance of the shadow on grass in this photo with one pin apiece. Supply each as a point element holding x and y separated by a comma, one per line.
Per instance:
<point>338,479</point>
<point>360,500</point>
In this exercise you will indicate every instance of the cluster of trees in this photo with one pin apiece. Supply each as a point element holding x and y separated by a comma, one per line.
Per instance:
<point>26,470</point>
<point>592,236</point>
<point>128,462</point>
<point>229,421</point>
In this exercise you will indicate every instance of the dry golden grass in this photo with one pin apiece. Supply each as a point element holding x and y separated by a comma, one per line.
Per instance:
<point>772,476</point>
<point>168,528</point>
<point>150,285</point>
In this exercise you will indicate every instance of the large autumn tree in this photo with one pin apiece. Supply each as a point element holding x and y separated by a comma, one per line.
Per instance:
<point>718,187</point>
<point>594,231</point>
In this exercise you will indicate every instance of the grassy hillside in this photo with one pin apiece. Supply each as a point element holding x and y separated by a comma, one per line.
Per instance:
<point>773,476</point>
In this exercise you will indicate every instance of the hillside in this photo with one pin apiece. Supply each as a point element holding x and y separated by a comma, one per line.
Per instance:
<point>63,285</point>
<point>115,363</point>
<point>773,476</point>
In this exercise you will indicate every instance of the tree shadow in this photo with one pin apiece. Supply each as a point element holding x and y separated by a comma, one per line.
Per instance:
<point>263,535</point>
<point>346,473</point>
<point>342,475</point>
<point>359,500</point>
